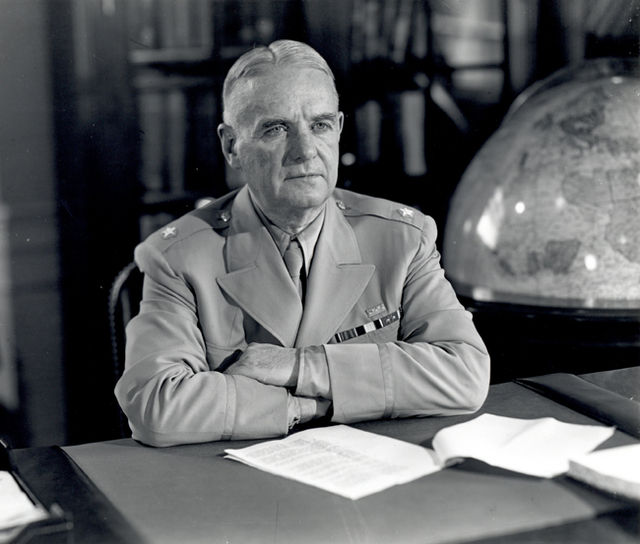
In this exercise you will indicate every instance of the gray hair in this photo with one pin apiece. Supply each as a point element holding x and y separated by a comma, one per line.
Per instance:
<point>264,57</point>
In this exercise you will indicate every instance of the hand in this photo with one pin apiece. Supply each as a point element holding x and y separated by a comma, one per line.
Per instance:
<point>301,410</point>
<point>268,364</point>
<point>312,408</point>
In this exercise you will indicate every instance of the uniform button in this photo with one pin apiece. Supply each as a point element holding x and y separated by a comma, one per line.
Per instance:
<point>341,205</point>
<point>225,217</point>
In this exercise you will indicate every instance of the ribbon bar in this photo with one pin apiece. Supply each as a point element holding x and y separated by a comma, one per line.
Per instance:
<point>368,327</point>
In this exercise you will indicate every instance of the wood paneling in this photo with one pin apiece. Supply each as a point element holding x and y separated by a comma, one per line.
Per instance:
<point>27,187</point>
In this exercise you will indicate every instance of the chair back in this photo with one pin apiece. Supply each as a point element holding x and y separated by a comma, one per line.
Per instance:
<point>124,304</point>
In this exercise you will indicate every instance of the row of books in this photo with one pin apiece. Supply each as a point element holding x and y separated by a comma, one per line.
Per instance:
<point>389,29</point>
<point>200,24</point>
<point>400,115</point>
<point>178,142</point>
<point>156,24</point>
<point>396,30</point>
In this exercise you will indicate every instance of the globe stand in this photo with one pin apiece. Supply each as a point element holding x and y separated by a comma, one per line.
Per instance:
<point>527,340</point>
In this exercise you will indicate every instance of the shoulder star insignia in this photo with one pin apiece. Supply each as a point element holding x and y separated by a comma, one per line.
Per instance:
<point>169,232</point>
<point>406,212</point>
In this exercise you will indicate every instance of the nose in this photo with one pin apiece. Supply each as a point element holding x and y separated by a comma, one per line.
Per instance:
<point>301,146</point>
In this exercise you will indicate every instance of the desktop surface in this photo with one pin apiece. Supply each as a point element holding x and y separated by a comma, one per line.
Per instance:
<point>193,494</point>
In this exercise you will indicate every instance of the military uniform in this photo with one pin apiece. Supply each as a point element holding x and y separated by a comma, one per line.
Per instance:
<point>387,323</point>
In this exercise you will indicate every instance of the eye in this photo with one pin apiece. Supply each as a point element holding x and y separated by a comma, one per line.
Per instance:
<point>275,130</point>
<point>321,126</point>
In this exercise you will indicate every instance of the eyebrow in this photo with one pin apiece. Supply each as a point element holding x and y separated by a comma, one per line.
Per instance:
<point>326,117</point>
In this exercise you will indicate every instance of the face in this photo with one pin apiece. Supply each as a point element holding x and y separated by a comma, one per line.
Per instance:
<point>283,133</point>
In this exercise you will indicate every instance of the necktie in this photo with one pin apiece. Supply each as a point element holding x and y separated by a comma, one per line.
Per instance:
<point>294,260</point>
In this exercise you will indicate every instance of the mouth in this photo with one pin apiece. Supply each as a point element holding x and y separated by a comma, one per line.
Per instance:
<point>303,176</point>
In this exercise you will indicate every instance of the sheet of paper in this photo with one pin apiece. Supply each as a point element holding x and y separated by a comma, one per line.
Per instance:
<point>538,447</point>
<point>340,459</point>
<point>15,506</point>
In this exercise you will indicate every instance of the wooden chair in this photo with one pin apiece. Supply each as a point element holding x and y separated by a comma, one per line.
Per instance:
<point>124,304</point>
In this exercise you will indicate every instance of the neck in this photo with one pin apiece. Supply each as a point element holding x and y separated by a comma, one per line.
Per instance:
<point>292,221</point>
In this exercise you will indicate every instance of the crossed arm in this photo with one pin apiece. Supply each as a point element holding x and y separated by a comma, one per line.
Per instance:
<point>279,366</point>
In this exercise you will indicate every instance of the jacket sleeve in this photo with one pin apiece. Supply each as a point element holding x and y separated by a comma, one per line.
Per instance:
<point>439,365</point>
<point>168,390</point>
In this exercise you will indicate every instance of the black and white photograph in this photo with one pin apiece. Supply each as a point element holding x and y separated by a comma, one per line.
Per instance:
<point>320,271</point>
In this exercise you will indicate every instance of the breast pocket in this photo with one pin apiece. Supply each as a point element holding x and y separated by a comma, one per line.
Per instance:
<point>379,336</point>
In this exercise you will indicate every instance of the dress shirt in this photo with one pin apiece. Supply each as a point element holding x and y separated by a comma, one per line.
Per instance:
<point>307,237</point>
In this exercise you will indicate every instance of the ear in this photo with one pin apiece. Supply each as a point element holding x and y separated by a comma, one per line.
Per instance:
<point>228,142</point>
<point>340,121</point>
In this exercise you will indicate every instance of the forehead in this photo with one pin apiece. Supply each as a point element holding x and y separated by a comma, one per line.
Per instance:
<point>283,92</point>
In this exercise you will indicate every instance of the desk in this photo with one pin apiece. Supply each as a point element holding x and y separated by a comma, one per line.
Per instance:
<point>189,494</point>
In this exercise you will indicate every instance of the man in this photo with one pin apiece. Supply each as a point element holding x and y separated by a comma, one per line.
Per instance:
<point>234,342</point>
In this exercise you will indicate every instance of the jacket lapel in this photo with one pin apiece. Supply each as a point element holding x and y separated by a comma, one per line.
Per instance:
<point>336,280</point>
<point>257,279</point>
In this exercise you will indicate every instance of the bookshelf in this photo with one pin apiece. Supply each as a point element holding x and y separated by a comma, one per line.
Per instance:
<point>170,55</point>
<point>421,73</point>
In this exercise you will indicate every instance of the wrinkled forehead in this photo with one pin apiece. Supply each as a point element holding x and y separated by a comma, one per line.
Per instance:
<point>279,88</point>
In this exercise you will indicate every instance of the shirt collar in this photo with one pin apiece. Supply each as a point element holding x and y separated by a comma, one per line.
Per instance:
<point>307,237</point>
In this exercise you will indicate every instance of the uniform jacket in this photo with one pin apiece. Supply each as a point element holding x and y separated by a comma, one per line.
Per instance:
<point>215,282</point>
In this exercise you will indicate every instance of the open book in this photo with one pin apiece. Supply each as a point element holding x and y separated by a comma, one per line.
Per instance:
<point>355,463</point>
<point>537,447</point>
<point>616,470</point>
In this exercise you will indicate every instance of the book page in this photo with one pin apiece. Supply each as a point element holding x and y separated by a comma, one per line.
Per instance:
<point>340,459</point>
<point>15,506</point>
<point>538,447</point>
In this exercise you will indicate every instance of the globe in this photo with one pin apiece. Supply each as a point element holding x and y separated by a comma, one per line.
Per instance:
<point>542,240</point>
<point>548,211</point>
